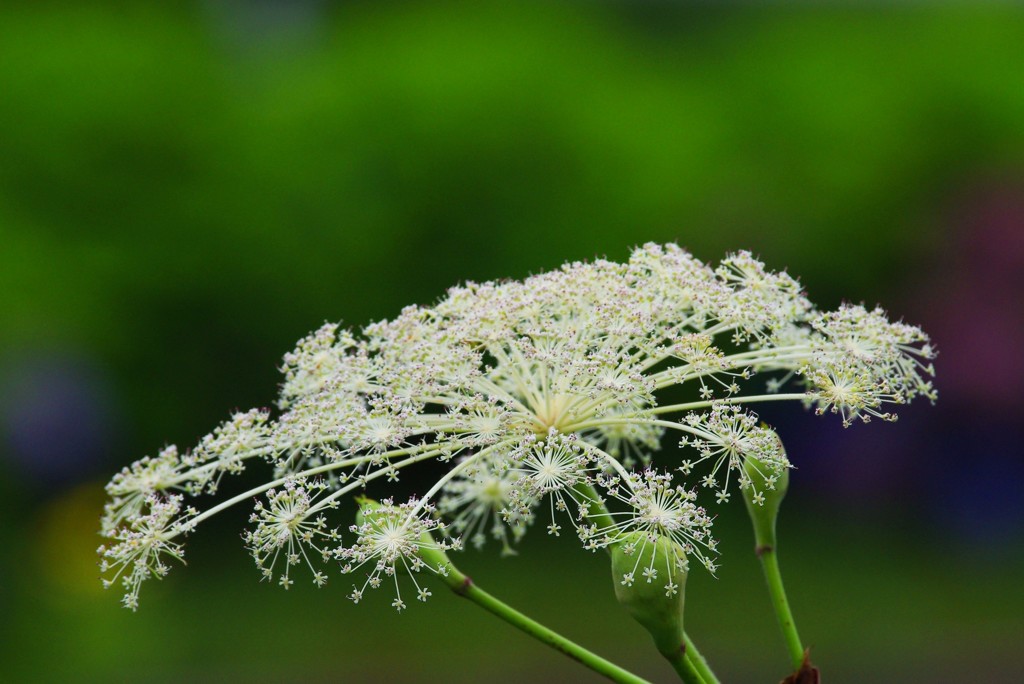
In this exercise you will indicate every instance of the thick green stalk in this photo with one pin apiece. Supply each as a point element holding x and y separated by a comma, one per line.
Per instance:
<point>464,586</point>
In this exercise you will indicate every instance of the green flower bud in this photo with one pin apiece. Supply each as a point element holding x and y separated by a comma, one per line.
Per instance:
<point>650,576</point>
<point>763,488</point>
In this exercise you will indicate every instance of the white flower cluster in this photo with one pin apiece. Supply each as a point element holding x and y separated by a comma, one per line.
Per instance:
<point>391,538</point>
<point>538,395</point>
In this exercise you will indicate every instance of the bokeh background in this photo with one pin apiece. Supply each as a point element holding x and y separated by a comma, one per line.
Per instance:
<point>187,189</point>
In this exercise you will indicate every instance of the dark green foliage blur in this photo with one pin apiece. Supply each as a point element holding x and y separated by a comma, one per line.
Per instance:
<point>186,191</point>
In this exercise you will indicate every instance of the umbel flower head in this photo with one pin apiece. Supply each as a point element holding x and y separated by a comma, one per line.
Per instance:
<point>541,397</point>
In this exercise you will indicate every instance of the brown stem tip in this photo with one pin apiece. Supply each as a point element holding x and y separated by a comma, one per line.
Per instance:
<point>807,674</point>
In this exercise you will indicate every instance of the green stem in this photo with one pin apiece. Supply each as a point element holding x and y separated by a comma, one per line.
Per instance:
<point>770,564</point>
<point>699,662</point>
<point>764,516</point>
<point>597,512</point>
<point>464,586</point>
<point>686,669</point>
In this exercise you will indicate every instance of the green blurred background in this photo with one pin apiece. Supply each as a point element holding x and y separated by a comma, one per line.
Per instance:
<point>187,190</point>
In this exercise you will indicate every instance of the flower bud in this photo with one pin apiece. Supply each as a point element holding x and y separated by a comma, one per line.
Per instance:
<point>650,576</point>
<point>763,491</point>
